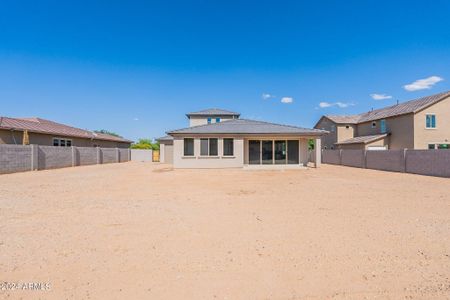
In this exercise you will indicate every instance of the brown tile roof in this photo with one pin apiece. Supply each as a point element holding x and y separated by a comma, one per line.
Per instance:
<point>363,139</point>
<point>343,119</point>
<point>411,106</point>
<point>43,126</point>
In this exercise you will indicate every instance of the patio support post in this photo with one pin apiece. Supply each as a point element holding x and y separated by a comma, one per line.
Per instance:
<point>318,152</point>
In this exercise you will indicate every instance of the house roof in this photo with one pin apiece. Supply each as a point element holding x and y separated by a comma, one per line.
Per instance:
<point>43,126</point>
<point>165,138</point>
<point>213,112</point>
<point>365,139</point>
<point>244,126</point>
<point>411,106</point>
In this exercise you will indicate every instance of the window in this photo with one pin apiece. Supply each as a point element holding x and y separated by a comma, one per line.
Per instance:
<point>431,146</point>
<point>228,147</point>
<point>430,121</point>
<point>444,146</point>
<point>383,126</point>
<point>188,147</point>
<point>62,142</point>
<point>208,147</point>
<point>333,128</point>
<point>213,149</point>
<point>217,120</point>
<point>209,120</point>
<point>374,124</point>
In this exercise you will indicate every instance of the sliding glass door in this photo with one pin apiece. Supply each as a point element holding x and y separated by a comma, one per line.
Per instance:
<point>254,152</point>
<point>280,152</point>
<point>268,152</point>
<point>293,154</point>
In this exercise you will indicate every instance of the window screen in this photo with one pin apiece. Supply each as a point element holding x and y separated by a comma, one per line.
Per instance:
<point>188,147</point>
<point>228,147</point>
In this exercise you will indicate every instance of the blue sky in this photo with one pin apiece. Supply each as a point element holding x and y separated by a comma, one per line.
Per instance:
<point>136,67</point>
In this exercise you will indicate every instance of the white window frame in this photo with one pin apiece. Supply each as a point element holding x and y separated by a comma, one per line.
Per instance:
<point>383,121</point>
<point>59,142</point>
<point>435,121</point>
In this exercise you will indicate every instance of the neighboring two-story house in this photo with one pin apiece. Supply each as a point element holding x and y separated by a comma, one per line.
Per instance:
<point>218,138</point>
<point>417,124</point>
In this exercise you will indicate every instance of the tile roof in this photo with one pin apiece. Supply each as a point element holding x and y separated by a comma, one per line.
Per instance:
<point>363,139</point>
<point>43,126</point>
<point>165,138</point>
<point>411,106</point>
<point>244,126</point>
<point>213,112</point>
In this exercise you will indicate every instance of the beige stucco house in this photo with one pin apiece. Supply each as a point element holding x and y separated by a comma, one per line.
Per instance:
<point>48,133</point>
<point>221,139</point>
<point>417,124</point>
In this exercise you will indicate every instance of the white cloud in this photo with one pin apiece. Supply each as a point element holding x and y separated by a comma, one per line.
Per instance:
<point>380,96</point>
<point>423,84</point>
<point>287,100</point>
<point>136,119</point>
<point>338,104</point>
<point>267,96</point>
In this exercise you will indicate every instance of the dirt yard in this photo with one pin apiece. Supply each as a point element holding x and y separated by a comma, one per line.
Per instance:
<point>143,231</point>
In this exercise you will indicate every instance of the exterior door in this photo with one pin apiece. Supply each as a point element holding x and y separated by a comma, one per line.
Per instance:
<point>254,152</point>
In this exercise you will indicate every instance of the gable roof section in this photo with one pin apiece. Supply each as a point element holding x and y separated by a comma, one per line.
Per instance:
<point>411,106</point>
<point>365,139</point>
<point>213,112</point>
<point>43,126</point>
<point>244,126</point>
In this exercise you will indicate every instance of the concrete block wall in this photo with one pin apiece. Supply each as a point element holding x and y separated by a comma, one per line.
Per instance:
<point>86,156</point>
<point>331,157</point>
<point>124,155</point>
<point>423,162</point>
<point>20,158</point>
<point>392,160</point>
<point>428,162</point>
<point>50,157</point>
<point>353,158</point>
<point>109,155</point>
<point>141,155</point>
<point>15,158</point>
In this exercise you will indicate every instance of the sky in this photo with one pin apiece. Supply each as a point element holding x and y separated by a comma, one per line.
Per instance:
<point>137,67</point>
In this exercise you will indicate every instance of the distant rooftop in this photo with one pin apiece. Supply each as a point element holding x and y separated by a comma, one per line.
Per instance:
<point>390,111</point>
<point>39,125</point>
<point>213,112</point>
<point>244,126</point>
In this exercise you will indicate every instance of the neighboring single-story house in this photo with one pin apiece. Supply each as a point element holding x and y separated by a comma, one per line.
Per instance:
<point>39,131</point>
<point>226,141</point>
<point>422,123</point>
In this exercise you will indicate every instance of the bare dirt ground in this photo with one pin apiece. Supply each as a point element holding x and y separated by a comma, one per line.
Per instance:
<point>142,231</point>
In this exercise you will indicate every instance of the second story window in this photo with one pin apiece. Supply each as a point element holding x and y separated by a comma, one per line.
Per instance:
<point>209,120</point>
<point>383,126</point>
<point>333,128</point>
<point>430,121</point>
<point>217,120</point>
<point>374,124</point>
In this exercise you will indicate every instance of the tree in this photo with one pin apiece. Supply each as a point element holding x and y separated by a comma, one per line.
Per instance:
<point>145,144</point>
<point>104,131</point>
<point>311,144</point>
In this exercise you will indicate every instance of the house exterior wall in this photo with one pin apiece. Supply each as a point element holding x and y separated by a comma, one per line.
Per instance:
<point>15,137</point>
<point>202,120</point>
<point>329,139</point>
<point>400,127</point>
<point>439,135</point>
<point>207,162</point>
<point>337,132</point>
